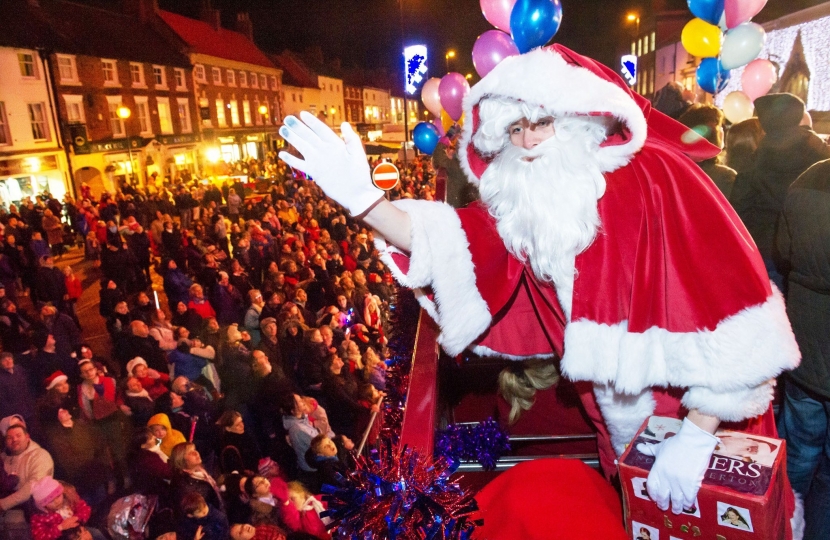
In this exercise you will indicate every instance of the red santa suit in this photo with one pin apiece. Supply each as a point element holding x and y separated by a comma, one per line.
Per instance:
<point>672,293</point>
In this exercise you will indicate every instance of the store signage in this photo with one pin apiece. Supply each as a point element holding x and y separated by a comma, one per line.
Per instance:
<point>385,176</point>
<point>179,139</point>
<point>415,67</point>
<point>10,167</point>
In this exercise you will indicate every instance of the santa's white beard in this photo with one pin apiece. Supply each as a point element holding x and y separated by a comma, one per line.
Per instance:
<point>546,208</point>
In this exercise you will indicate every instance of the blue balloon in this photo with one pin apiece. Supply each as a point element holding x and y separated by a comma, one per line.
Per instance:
<point>709,10</point>
<point>711,75</point>
<point>425,136</point>
<point>534,22</point>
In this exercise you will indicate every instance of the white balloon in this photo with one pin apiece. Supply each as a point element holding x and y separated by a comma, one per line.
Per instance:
<point>742,44</point>
<point>737,107</point>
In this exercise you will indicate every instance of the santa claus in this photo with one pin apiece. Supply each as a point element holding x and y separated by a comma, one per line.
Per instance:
<point>597,241</point>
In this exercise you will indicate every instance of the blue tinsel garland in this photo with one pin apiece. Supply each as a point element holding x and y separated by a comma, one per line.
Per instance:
<point>485,443</point>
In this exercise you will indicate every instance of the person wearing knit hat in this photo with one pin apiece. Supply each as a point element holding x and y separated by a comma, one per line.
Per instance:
<point>44,491</point>
<point>135,362</point>
<point>60,510</point>
<point>54,380</point>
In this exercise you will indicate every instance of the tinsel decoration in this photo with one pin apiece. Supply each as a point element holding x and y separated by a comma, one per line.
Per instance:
<point>485,443</point>
<point>403,321</point>
<point>399,495</point>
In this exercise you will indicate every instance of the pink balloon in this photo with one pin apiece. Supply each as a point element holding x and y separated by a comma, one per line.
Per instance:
<point>439,126</point>
<point>453,88</point>
<point>497,12</point>
<point>490,48</point>
<point>431,97</point>
<point>758,78</point>
<point>740,11</point>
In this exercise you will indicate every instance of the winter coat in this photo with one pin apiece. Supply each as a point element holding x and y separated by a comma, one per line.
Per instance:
<point>804,241</point>
<point>759,197</point>
<point>177,287</point>
<point>173,436</point>
<point>186,364</point>
<point>214,526</point>
<point>45,524</point>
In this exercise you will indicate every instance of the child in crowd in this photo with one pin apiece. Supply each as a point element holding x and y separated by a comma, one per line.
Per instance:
<point>200,516</point>
<point>139,405</point>
<point>74,288</point>
<point>303,512</point>
<point>324,457</point>
<point>243,531</point>
<point>92,251</point>
<point>369,399</point>
<point>375,369</point>
<point>267,496</point>
<point>59,509</point>
<point>159,424</point>
<point>154,382</point>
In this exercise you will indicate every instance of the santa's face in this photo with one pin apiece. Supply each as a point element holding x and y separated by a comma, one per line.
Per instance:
<point>542,187</point>
<point>526,134</point>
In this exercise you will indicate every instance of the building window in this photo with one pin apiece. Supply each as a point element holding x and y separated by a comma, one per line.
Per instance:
<point>160,76</point>
<point>234,107</point>
<point>231,77</point>
<point>246,112</point>
<point>116,122</point>
<point>273,82</point>
<point>38,119</point>
<point>217,75</point>
<point>28,68</point>
<point>301,98</point>
<point>184,115</point>
<point>74,108</point>
<point>257,114</point>
<point>5,137</point>
<point>243,79</point>
<point>221,119</point>
<point>653,41</point>
<point>142,111</point>
<point>633,48</point>
<point>137,74</point>
<point>110,73</point>
<point>165,120</point>
<point>338,88</point>
<point>254,81</point>
<point>180,81</point>
<point>66,69</point>
<point>199,73</point>
<point>294,98</point>
<point>263,82</point>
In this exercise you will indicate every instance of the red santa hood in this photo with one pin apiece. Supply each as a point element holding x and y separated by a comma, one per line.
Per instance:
<point>565,83</point>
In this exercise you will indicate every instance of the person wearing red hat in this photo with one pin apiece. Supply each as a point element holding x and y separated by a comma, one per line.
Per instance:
<point>593,242</point>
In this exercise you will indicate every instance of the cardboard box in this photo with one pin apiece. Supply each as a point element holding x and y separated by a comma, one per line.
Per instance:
<point>742,496</point>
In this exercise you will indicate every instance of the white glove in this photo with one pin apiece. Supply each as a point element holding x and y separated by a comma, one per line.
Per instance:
<point>679,465</point>
<point>339,168</point>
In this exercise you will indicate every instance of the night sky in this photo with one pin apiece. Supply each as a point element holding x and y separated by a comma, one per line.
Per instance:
<point>366,33</point>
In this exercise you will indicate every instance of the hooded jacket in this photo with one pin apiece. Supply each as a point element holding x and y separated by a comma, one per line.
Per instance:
<point>30,466</point>
<point>173,437</point>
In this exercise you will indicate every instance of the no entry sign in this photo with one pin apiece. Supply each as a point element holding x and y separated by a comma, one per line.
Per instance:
<point>385,176</point>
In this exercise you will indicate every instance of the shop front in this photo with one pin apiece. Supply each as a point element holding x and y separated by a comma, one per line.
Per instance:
<point>32,175</point>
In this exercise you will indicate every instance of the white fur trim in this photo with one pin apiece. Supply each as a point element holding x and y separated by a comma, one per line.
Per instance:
<point>441,260</point>
<point>731,406</point>
<point>797,521</point>
<point>483,351</point>
<point>543,77</point>
<point>738,357</point>
<point>623,413</point>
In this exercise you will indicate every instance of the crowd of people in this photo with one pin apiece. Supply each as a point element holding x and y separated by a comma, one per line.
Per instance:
<point>226,401</point>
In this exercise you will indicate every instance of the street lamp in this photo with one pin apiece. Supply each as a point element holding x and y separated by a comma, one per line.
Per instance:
<point>332,112</point>
<point>450,54</point>
<point>124,113</point>
<point>634,18</point>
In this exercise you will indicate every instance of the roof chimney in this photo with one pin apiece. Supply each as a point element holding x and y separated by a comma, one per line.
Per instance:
<point>145,10</point>
<point>211,16</point>
<point>244,25</point>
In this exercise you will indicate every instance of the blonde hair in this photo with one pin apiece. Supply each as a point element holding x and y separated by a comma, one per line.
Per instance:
<point>519,382</point>
<point>298,487</point>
